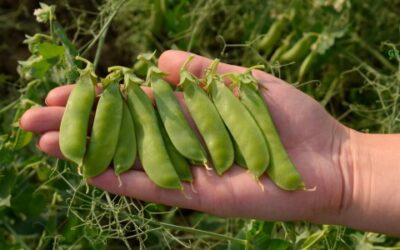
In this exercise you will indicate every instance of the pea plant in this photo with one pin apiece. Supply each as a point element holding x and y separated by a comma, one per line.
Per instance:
<point>335,51</point>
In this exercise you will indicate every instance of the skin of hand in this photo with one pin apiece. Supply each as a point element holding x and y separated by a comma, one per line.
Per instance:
<point>351,176</point>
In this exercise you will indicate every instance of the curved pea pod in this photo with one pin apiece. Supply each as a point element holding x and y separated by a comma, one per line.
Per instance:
<point>105,131</point>
<point>299,49</point>
<point>209,123</point>
<point>74,123</point>
<point>180,164</point>
<point>243,128</point>
<point>151,147</point>
<point>239,159</point>
<point>306,64</point>
<point>240,124</point>
<point>178,130</point>
<point>270,39</point>
<point>281,171</point>
<point>125,153</point>
<point>157,12</point>
<point>283,48</point>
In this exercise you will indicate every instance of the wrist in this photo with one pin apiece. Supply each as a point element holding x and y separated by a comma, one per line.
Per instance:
<point>371,194</point>
<point>340,179</point>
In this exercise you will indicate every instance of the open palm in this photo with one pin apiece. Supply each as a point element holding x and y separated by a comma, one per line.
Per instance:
<point>311,136</point>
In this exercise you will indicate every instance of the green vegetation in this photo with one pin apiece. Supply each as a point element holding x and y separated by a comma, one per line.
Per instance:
<point>350,69</point>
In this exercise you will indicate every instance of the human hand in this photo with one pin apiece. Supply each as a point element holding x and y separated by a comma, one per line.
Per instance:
<point>313,139</point>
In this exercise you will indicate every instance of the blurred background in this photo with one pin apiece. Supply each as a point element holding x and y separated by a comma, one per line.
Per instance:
<point>344,53</point>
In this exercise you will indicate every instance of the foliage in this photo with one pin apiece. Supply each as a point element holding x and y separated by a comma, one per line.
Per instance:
<point>44,204</point>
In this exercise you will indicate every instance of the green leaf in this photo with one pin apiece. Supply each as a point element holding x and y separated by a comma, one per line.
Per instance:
<point>40,68</point>
<point>277,244</point>
<point>29,201</point>
<point>8,177</point>
<point>71,231</point>
<point>34,67</point>
<point>327,39</point>
<point>257,234</point>
<point>49,50</point>
<point>5,202</point>
<point>22,138</point>
<point>59,34</point>
<point>43,173</point>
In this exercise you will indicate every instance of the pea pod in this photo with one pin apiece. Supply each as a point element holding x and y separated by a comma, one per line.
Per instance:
<point>151,148</point>
<point>299,49</point>
<point>281,171</point>
<point>267,43</point>
<point>74,123</point>
<point>182,136</point>
<point>157,12</point>
<point>240,124</point>
<point>125,153</point>
<point>306,64</point>
<point>105,131</point>
<point>239,159</point>
<point>283,48</point>
<point>180,164</point>
<point>208,121</point>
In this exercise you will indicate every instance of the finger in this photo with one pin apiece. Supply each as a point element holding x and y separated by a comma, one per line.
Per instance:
<point>42,119</point>
<point>236,194</point>
<point>59,95</point>
<point>202,196</point>
<point>172,60</point>
<point>49,144</point>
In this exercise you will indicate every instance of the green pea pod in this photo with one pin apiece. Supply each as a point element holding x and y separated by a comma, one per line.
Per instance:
<point>283,48</point>
<point>267,43</point>
<point>105,130</point>
<point>74,123</point>
<point>175,123</point>
<point>180,164</point>
<point>306,64</point>
<point>157,9</point>
<point>151,147</point>
<point>125,153</point>
<point>239,159</point>
<point>281,171</point>
<point>299,49</point>
<point>208,121</point>
<point>240,123</point>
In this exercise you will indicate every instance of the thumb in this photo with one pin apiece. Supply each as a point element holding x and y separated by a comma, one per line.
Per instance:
<point>171,62</point>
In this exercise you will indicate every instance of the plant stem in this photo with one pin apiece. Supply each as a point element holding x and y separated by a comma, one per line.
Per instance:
<point>190,230</point>
<point>104,28</point>
<point>375,53</point>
